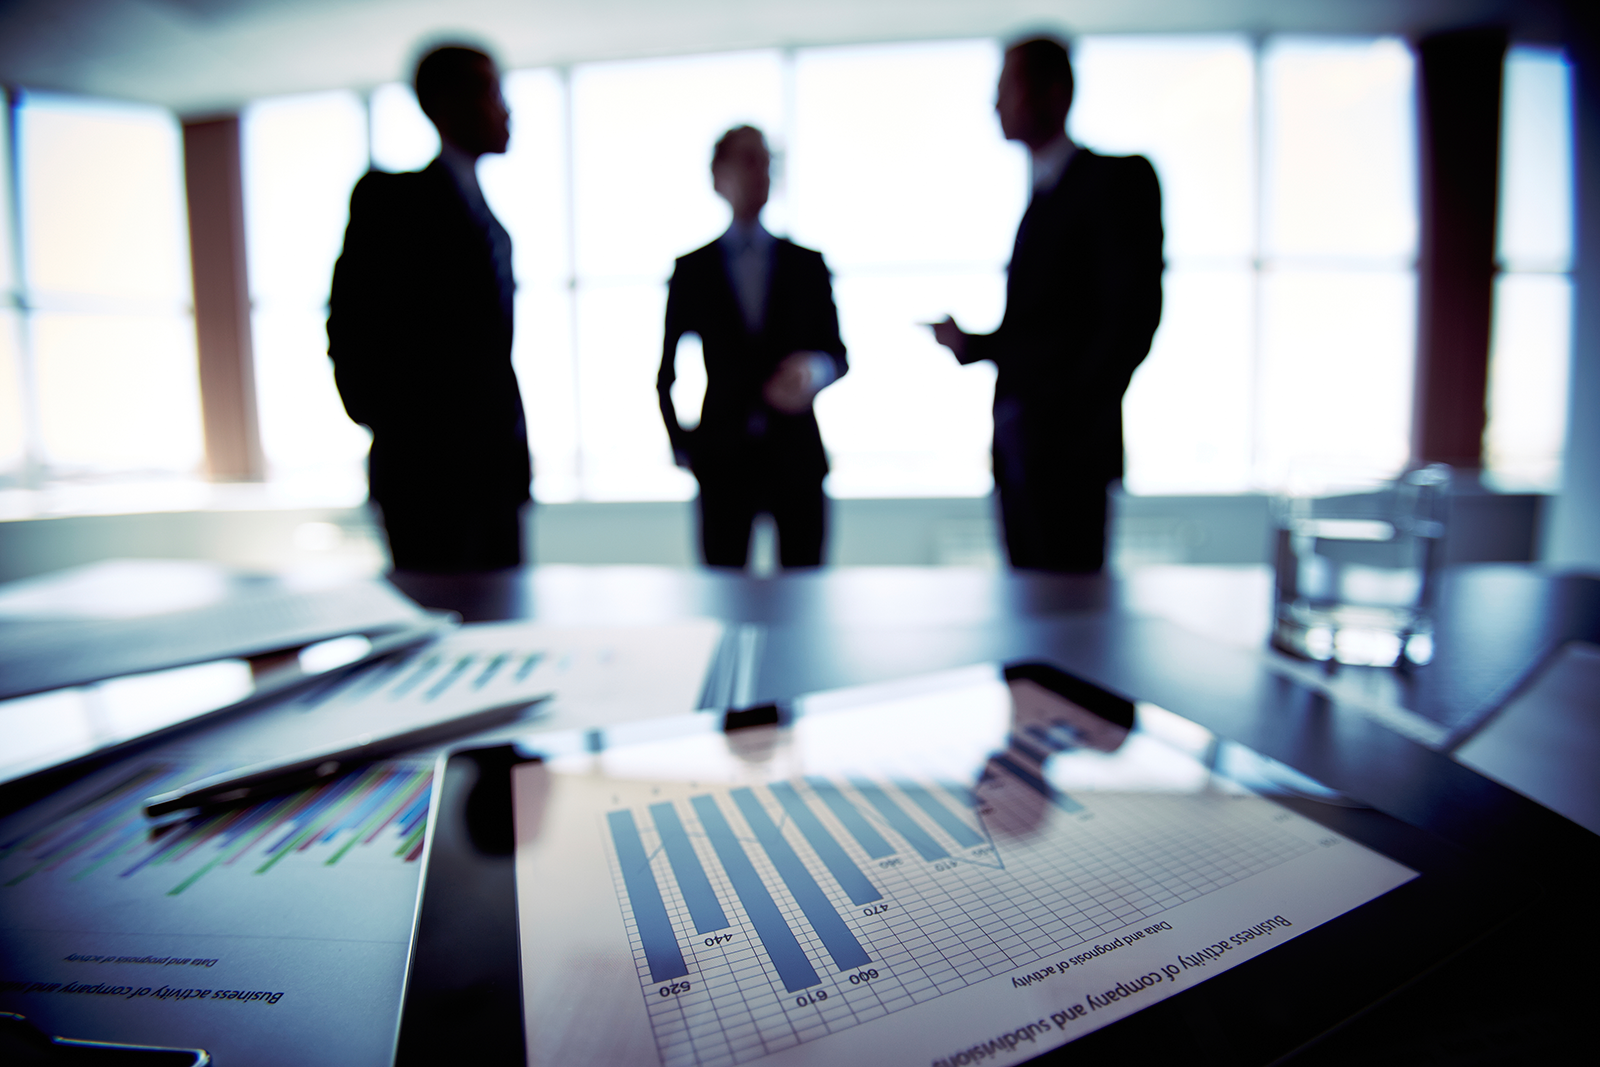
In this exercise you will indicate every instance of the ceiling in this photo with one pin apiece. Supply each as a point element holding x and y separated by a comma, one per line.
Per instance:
<point>199,56</point>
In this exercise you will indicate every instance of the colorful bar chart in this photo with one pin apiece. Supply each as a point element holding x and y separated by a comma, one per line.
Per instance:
<point>109,834</point>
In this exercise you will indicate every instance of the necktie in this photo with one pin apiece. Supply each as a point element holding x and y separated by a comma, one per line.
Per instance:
<point>749,271</point>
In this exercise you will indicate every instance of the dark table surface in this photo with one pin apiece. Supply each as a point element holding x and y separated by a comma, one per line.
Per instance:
<point>1191,640</point>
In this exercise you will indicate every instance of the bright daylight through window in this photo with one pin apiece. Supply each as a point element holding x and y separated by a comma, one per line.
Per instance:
<point>1288,171</point>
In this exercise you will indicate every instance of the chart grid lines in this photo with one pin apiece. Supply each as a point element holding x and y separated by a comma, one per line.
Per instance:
<point>903,824</point>
<point>650,913</point>
<point>844,870</point>
<point>686,867</point>
<point>836,937</point>
<point>771,925</point>
<point>849,815</point>
<point>938,924</point>
<point>964,835</point>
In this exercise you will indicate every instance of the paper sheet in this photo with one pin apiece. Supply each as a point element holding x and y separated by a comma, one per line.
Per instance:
<point>279,933</point>
<point>949,877</point>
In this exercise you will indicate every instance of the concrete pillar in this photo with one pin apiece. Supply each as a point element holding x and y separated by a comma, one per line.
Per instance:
<point>213,175</point>
<point>1459,123</point>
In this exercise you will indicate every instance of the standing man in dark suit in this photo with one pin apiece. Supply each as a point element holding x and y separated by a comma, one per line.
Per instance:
<point>1083,297</point>
<point>763,308</point>
<point>419,329</point>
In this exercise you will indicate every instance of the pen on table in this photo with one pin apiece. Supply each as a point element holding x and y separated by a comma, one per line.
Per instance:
<point>246,785</point>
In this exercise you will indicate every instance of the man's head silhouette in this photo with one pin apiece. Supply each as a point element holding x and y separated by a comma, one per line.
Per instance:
<point>1035,91</point>
<point>741,171</point>
<point>458,88</point>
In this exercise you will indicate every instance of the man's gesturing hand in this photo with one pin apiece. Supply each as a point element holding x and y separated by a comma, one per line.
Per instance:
<point>794,384</point>
<point>951,336</point>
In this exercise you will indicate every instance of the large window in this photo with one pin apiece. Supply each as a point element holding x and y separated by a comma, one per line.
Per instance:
<point>1531,346</point>
<point>607,181</point>
<point>14,443</point>
<point>1289,192</point>
<point>302,154</point>
<point>899,176</point>
<point>1288,177</point>
<point>97,346</point>
<point>641,142</point>
<point>1188,103</point>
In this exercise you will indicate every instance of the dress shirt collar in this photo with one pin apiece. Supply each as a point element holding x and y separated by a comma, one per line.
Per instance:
<point>1050,162</point>
<point>746,236</point>
<point>463,170</point>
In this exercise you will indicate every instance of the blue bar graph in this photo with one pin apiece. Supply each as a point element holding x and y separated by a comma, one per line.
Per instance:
<point>1039,785</point>
<point>788,958</point>
<point>903,824</point>
<point>964,835</point>
<point>860,829</point>
<point>490,670</point>
<point>819,911</point>
<point>704,907</point>
<point>456,671</point>
<point>968,798</point>
<point>856,885</point>
<point>661,949</point>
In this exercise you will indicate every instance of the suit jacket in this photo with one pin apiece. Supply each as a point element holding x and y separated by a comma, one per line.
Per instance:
<point>419,330</point>
<point>740,435</point>
<point>1083,297</point>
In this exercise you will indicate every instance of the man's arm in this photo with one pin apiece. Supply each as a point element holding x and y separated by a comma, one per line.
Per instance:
<point>805,373</point>
<point>360,319</point>
<point>672,333</point>
<point>1126,280</point>
<point>972,347</point>
<point>1122,306</point>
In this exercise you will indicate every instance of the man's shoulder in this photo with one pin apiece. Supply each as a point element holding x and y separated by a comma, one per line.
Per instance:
<point>704,252</point>
<point>798,251</point>
<point>380,188</point>
<point>800,255</point>
<point>1112,180</point>
<point>1122,166</point>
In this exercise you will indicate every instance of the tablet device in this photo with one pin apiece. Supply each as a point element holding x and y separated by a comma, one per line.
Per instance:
<point>987,868</point>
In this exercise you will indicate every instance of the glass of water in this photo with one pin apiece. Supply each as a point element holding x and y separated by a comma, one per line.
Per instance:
<point>1356,563</point>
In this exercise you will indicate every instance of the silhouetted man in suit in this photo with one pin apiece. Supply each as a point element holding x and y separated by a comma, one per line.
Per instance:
<point>419,329</point>
<point>1083,297</point>
<point>763,308</point>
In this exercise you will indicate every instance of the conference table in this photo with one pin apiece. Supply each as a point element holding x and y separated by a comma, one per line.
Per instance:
<point>1192,640</point>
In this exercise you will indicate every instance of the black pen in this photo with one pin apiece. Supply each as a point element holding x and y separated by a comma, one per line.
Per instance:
<point>246,785</point>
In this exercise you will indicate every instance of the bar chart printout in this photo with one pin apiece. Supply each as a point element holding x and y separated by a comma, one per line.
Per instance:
<point>764,917</point>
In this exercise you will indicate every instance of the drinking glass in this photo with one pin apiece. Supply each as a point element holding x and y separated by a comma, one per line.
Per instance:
<point>1356,563</point>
